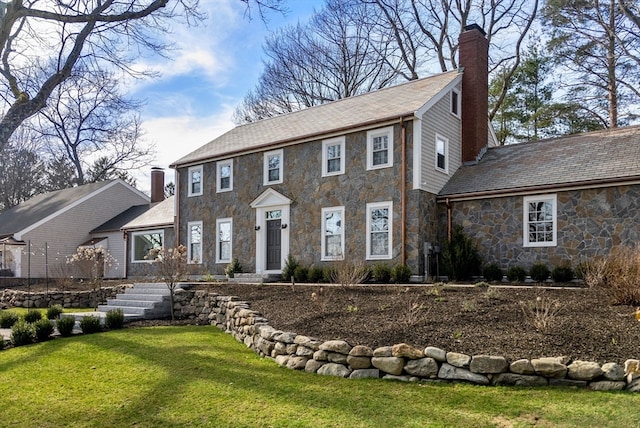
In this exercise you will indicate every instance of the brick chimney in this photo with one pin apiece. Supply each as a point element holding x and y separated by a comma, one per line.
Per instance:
<point>474,59</point>
<point>157,184</point>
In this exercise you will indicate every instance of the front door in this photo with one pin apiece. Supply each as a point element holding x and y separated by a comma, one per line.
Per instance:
<point>274,244</point>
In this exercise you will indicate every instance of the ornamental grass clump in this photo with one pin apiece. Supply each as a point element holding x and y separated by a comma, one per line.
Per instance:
<point>65,326</point>
<point>618,274</point>
<point>542,312</point>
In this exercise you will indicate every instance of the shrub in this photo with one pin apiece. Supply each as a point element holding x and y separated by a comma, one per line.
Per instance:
<point>289,268</point>
<point>90,324</point>
<point>54,312</point>
<point>301,273</point>
<point>539,272</point>
<point>381,273</point>
<point>2,343</point>
<point>618,274</point>
<point>43,329</point>
<point>65,326</point>
<point>542,313</point>
<point>481,284</point>
<point>327,273</point>
<point>516,274</point>
<point>114,319</point>
<point>8,319</point>
<point>22,333</point>
<point>348,274</point>
<point>562,274</point>
<point>460,256</point>
<point>316,274</point>
<point>32,316</point>
<point>232,268</point>
<point>492,272</point>
<point>401,274</point>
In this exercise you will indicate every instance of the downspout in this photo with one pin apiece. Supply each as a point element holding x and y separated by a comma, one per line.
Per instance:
<point>449,225</point>
<point>403,196</point>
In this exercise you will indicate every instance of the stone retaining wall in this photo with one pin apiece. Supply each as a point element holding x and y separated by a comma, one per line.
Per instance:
<point>68,299</point>
<point>400,361</point>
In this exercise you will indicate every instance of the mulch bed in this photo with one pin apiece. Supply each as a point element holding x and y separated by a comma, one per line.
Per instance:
<point>470,320</point>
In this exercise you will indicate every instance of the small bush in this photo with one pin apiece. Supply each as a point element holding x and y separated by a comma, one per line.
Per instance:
<point>54,312</point>
<point>381,273</point>
<point>43,329</point>
<point>232,268</point>
<point>32,316</point>
<point>481,284</point>
<point>8,319</point>
<point>22,333</point>
<point>401,274</point>
<point>562,274</point>
<point>492,272</point>
<point>327,274</point>
<point>348,274</point>
<point>65,326</point>
<point>539,272</point>
<point>460,257</point>
<point>516,274</point>
<point>316,274</point>
<point>289,268</point>
<point>301,273</point>
<point>90,324</point>
<point>114,319</point>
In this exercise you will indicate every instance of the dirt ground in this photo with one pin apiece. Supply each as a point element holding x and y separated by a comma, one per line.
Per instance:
<point>579,323</point>
<point>514,322</point>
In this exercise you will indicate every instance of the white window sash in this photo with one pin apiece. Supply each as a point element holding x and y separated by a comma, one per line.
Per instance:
<point>325,235</point>
<point>539,224</point>
<point>371,138</point>
<point>374,233</point>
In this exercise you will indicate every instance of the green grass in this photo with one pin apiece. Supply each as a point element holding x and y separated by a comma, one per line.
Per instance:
<point>43,311</point>
<point>199,376</point>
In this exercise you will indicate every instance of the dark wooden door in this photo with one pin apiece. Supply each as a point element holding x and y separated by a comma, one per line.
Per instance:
<point>274,244</point>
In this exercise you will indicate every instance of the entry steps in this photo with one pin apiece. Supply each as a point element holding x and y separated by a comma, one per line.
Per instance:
<point>142,301</point>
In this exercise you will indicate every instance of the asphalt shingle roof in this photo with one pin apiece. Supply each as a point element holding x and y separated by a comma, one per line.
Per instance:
<point>601,156</point>
<point>41,206</point>
<point>158,214</point>
<point>338,116</point>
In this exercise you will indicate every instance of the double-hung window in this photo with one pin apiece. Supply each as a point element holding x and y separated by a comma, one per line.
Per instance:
<point>194,238</point>
<point>333,233</point>
<point>333,157</point>
<point>442,153</point>
<point>540,221</point>
<point>273,167</point>
<point>195,181</point>
<point>223,240</point>
<point>379,230</point>
<point>225,175</point>
<point>455,102</point>
<point>143,242</point>
<point>380,148</point>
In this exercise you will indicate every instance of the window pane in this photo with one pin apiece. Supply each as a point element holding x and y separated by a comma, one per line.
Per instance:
<point>333,246</point>
<point>379,244</point>
<point>196,177</point>
<point>225,171</point>
<point>379,219</point>
<point>196,233</point>
<point>440,161</point>
<point>225,232</point>
<point>333,165</point>
<point>225,182</point>
<point>143,243</point>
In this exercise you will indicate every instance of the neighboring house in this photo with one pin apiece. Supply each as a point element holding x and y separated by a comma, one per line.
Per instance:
<point>355,179</point>
<point>559,201</point>
<point>37,236</point>
<point>131,234</point>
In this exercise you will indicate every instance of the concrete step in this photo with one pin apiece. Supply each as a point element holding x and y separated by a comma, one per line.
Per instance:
<point>158,289</point>
<point>126,303</point>
<point>143,296</point>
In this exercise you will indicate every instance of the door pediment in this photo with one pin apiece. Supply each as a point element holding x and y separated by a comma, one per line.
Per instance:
<point>270,198</point>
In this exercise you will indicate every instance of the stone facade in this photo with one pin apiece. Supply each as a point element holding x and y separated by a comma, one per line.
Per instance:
<point>147,270</point>
<point>309,192</point>
<point>398,362</point>
<point>590,223</point>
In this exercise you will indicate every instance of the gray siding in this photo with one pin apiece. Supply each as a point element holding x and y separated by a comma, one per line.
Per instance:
<point>439,120</point>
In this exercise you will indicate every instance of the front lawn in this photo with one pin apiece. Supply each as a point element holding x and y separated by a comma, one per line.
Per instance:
<point>199,376</point>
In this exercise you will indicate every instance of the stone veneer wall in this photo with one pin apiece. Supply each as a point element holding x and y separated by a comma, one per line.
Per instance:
<point>68,299</point>
<point>400,361</point>
<point>590,223</point>
<point>148,270</point>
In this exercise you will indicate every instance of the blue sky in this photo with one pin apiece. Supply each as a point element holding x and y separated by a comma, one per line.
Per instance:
<point>215,65</point>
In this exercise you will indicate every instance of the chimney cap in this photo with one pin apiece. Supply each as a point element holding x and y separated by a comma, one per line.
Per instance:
<point>475,27</point>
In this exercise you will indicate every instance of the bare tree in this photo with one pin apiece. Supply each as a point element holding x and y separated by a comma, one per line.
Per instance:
<point>596,42</point>
<point>333,56</point>
<point>90,123</point>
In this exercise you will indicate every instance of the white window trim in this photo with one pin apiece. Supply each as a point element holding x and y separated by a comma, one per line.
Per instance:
<point>219,166</point>
<point>190,258</point>
<point>265,168</point>
<point>370,207</point>
<point>189,174</point>
<point>388,131</point>
<point>218,223</point>
<point>143,232</point>
<point>324,257</point>
<point>325,166</point>
<point>446,154</point>
<point>553,198</point>
<point>459,103</point>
